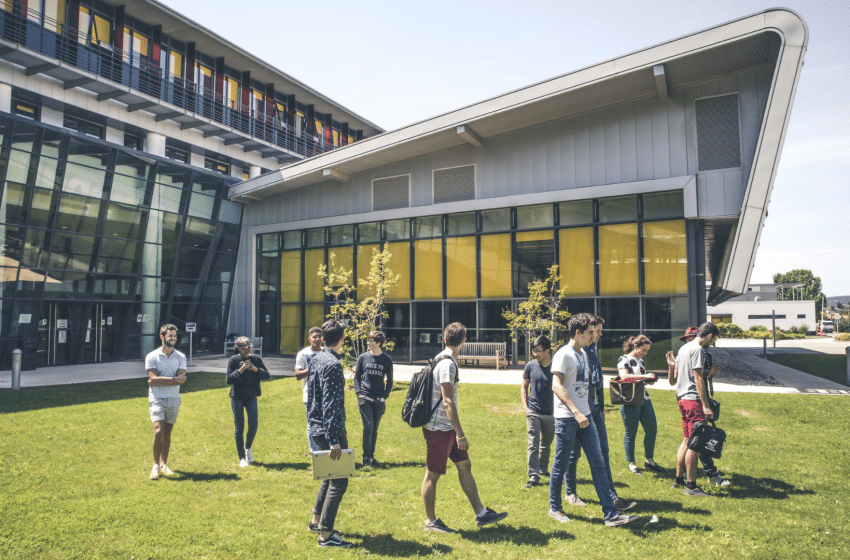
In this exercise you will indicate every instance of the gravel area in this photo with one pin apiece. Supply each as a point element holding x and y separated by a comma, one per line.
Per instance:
<point>735,372</point>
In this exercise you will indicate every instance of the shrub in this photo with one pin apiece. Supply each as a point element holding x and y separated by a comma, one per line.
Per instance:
<point>758,328</point>
<point>730,330</point>
<point>803,329</point>
<point>843,337</point>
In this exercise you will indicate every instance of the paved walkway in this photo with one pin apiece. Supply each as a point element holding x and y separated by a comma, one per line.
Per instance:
<point>746,353</point>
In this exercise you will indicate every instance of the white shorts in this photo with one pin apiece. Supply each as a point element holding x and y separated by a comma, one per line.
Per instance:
<point>164,409</point>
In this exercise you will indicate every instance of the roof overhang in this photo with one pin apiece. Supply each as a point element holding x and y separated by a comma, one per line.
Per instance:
<point>744,43</point>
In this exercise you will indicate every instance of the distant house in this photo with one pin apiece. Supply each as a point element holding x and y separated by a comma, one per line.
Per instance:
<point>757,306</point>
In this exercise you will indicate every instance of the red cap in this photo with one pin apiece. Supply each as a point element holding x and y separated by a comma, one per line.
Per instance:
<point>690,333</point>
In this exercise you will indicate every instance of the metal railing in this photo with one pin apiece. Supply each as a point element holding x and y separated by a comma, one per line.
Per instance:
<point>131,69</point>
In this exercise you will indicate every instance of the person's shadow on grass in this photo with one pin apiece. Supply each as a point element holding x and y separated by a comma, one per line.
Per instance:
<point>643,527</point>
<point>283,466</point>
<point>521,536</point>
<point>744,486</point>
<point>201,476</point>
<point>386,545</point>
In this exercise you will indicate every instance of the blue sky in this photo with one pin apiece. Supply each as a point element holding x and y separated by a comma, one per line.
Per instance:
<point>398,62</point>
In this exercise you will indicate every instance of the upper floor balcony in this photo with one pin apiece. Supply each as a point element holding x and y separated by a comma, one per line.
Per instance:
<point>256,121</point>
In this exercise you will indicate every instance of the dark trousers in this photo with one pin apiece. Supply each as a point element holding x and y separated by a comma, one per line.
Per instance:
<point>371,412</point>
<point>250,406</point>
<point>597,414</point>
<point>331,491</point>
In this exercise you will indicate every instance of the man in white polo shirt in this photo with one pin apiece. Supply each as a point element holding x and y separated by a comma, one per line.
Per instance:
<point>166,369</point>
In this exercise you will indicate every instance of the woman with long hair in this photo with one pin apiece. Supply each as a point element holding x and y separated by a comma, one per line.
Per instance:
<point>630,366</point>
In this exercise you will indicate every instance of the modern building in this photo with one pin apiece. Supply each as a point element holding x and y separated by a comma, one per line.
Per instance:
<point>764,304</point>
<point>644,177</point>
<point>122,126</point>
<point>153,172</point>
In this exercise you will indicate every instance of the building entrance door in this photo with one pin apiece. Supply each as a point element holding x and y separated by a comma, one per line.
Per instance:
<point>72,333</point>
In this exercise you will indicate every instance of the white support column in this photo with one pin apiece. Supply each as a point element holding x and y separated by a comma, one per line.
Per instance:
<point>5,98</point>
<point>254,171</point>
<point>52,116</point>
<point>155,144</point>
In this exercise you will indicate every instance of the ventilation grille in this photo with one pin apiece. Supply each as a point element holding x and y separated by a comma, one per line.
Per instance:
<point>718,137</point>
<point>392,192</point>
<point>456,183</point>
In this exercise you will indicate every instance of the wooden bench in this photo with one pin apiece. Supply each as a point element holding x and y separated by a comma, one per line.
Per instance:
<point>477,351</point>
<point>256,343</point>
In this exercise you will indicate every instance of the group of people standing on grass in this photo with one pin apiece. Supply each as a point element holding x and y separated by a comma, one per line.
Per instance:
<point>562,393</point>
<point>564,401</point>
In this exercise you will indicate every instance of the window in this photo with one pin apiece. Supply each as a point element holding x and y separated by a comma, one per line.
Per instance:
<point>726,319</point>
<point>765,316</point>
<point>26,109</point>
<point>176,153</point>
<point>132,141</point>
<point>216,165</point>
<point>84,126</point>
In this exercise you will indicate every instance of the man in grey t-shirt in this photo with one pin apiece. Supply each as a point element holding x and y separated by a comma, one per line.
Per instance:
<point>302,369</point>
<point>446,440</point>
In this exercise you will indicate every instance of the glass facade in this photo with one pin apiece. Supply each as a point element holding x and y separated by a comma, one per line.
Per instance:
<point>102,244</point>
<point>623,258</point>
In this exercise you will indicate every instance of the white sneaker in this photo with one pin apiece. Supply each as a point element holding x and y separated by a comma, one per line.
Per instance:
<point>249,455</point>
<point>559,516</point>
<point>720,481</point>
<point>243,463</point>
<point>165,471</point>
<point>155,472</point>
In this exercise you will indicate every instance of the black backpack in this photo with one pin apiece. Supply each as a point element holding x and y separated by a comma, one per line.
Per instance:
<point>707,439</point>
<point>417,409</point>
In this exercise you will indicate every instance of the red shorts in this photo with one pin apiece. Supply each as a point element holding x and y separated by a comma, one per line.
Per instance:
<point>691,414</point>
<point>442,446</point>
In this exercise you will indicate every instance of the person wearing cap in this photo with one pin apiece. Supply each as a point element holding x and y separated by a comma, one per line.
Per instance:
<point>708,466</point>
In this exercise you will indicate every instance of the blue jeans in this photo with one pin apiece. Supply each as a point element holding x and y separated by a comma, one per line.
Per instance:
<point>249,406</point>
<point>310,441</point>
<point>598,416</point>
<point>643,414</point>
<point>371,412</point>
<point>566,431</point>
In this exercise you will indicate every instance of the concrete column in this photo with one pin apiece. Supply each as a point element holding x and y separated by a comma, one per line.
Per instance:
<point>196,159</point>
<point>254,171</point>
<point>5,98</point>
<point>155,144</point>
<point>114,135</point>
<point>52,116</point>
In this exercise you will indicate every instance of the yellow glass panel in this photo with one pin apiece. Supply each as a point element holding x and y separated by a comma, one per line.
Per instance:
<point>313,284</point>
<point>344,260</point>
<point>290,327</point>
<point>575,254</point>
<point>351,139</point>
<point>54,14</point>
<point>336,137</point>
<point>232,93</point>
<point>140,44</point>
<point>8,5</point>
<point>176,63</point>
<point>428,278</point>
<point>318,128</point>
<point>618,260</point>
<point>314,316</point>
<point>665,257</point>
<point>461,267</point>
<point>400,264</point>
<point>496,265</point>
<point>534,236</point>
<point>290,276</point>
<point>102,27</point>
<point>364,263</point>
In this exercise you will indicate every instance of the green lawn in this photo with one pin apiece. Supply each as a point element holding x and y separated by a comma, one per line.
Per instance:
<point>826,366</point>
<point>75,461</point>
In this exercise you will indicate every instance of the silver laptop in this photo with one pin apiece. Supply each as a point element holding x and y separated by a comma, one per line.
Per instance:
<point>324,467</point>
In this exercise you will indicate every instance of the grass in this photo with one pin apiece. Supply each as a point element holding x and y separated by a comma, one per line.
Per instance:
<point>75,461</point>
<point>826,366</point>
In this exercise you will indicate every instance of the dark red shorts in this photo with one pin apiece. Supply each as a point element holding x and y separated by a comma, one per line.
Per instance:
<point>442,446</point>
<point>691,414</point>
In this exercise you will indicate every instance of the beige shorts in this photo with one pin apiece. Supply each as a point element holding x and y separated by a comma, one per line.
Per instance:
<point>164,410</point>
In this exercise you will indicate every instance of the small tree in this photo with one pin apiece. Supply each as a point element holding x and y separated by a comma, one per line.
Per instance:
<point>359,315</point>
<point>542,312</point>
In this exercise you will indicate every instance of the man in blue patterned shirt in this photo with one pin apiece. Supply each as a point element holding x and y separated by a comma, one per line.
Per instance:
<point>326,424</point>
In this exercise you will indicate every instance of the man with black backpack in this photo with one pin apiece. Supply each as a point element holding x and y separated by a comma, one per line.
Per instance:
<point>446,439</point>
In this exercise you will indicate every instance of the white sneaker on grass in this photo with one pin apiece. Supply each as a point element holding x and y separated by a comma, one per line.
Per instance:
<point>165,471</point>
<point>155,472</point>
<point>243,463</point>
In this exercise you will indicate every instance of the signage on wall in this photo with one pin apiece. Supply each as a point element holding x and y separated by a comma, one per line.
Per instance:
<point>63,336</point>
<point>109,321</point>
<point>268,319</point>
<point>61,323</point>
<point>25,318</point>
<point>139,318</point>
<point>191,327</point>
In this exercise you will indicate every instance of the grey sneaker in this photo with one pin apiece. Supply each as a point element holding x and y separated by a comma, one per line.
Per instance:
<point>559,516</point>
<point>489,516</point>
<point>334,540</point>
<point>621,519</point>
<point>719,481</point>
<point>438,526</point>
<point>697,491</point>
<point>314,528</point>
<point>574,500</point>
<point>531,483</point>
<point>249,455</point>
<point>623,505</point>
